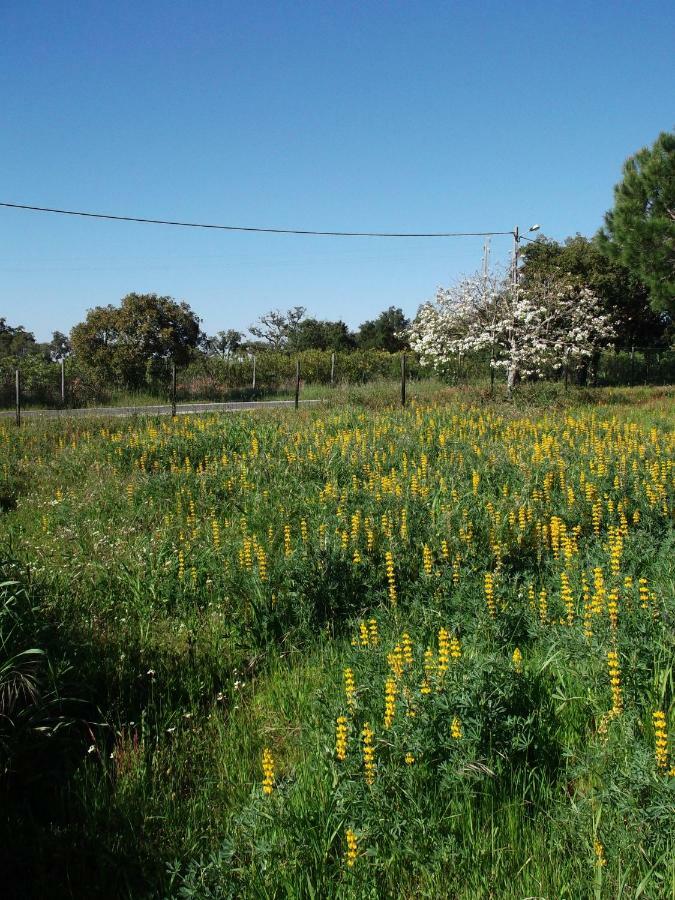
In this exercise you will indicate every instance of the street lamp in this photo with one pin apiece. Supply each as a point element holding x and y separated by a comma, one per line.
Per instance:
<point>517,236</point>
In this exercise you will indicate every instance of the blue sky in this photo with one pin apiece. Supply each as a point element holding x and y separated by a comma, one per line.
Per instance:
<point>338,116</point>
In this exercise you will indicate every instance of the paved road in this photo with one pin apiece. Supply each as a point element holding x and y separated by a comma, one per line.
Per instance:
<point>161,410</point>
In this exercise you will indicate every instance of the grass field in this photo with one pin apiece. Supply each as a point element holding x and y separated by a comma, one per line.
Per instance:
<point>355,651</point>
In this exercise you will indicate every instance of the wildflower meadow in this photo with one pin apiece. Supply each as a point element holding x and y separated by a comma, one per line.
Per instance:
<point>353,651</point>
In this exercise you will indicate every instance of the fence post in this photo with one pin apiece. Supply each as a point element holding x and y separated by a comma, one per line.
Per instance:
<point>297,382</point>
<point>403,374</point>
<point>253,384</point>
<point>332,369</point>
<point>18,397</point>
<point>173,390</point>
<point>63,381</point>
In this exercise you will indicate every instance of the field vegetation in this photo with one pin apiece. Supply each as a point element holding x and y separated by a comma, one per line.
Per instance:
<point>354,651</point>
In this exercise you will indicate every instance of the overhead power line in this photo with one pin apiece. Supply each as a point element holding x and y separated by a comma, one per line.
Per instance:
<point>306,231</point>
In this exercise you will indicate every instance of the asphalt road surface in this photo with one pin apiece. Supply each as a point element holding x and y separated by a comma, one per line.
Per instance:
<point>160,410</point>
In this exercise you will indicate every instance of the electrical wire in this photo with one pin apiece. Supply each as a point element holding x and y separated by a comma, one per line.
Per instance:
<point>301,231</point>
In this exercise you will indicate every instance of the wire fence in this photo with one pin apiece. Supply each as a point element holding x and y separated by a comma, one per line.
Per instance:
<point>33,382</point>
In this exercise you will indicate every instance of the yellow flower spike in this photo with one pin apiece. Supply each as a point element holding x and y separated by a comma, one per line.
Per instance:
<point>443,651</point>
<point>599,850</point>
<point>488,585</point>
<point>350,688</point>
<point>407,649</point>
<point>615,681</point>
<point>373,637</point>
<point>456,729</point>
<point>268,772</point>
<point>660,739</point>
<point>613,608</point>
<point>368,738</point>
<point>566,597</point>
<point>341,731</point>
<point>391,577</point>
<point>409,759</point>
<point>427,560</point>
<point>352,847</point>
<point>395,659</point>
<point>517,661</point>
<point>390,691</point>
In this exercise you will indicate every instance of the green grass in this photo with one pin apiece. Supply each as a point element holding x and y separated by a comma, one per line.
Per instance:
<point>190,597</point>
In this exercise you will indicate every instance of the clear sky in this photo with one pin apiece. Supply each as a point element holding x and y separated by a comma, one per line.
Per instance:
<point>415,116</point>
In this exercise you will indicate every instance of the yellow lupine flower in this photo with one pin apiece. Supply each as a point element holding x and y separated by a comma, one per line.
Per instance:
<point>352,847</point>
<point>517,660</point>
<point>341,729</point>
<point>660,739</point>
<point>350,688</point>
<point>268,771</point>
<point>368,753</point>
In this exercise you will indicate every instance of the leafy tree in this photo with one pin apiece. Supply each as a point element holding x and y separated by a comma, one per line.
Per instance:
<point>133,342</point>
<point>313,334</point>
<point>59,347</point>
<point>386,332</point>
<point>640,230</point>
<point>15,341</point>
<point>275,328</point>
<point>621,293</point>
<point>542,327</point>
<point>224,343</point>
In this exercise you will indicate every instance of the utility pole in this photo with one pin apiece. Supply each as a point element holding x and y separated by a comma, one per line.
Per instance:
<point>516,248</point>
<point>486,273</point>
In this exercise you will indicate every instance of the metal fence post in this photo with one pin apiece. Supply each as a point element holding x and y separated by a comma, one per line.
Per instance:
<point>173,390</point>
<point>253,384</point>
<point>297,382</point>
<point>403,374</point>
<point>63,381</point>
<point>18,397</point>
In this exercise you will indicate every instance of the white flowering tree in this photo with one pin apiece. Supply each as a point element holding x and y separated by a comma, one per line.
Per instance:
<point>533,329</point>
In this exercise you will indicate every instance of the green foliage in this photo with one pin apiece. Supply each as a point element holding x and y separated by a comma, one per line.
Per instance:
<point>386,332</point>
<point>312,334</point>
<point>15,341</point>
<point>622,294</point>
<point>640,229</point>
<point>131,344</point>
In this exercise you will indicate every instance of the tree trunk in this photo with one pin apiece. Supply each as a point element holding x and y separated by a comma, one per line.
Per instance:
<point>512,379</point>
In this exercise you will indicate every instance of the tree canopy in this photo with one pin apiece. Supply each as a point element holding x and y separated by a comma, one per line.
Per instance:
<point>639,230</point>
<point>314,334</point>
<point>543,327</point>
<point>622,294</point>
<point>131,343</point>
<point>386,332</point>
